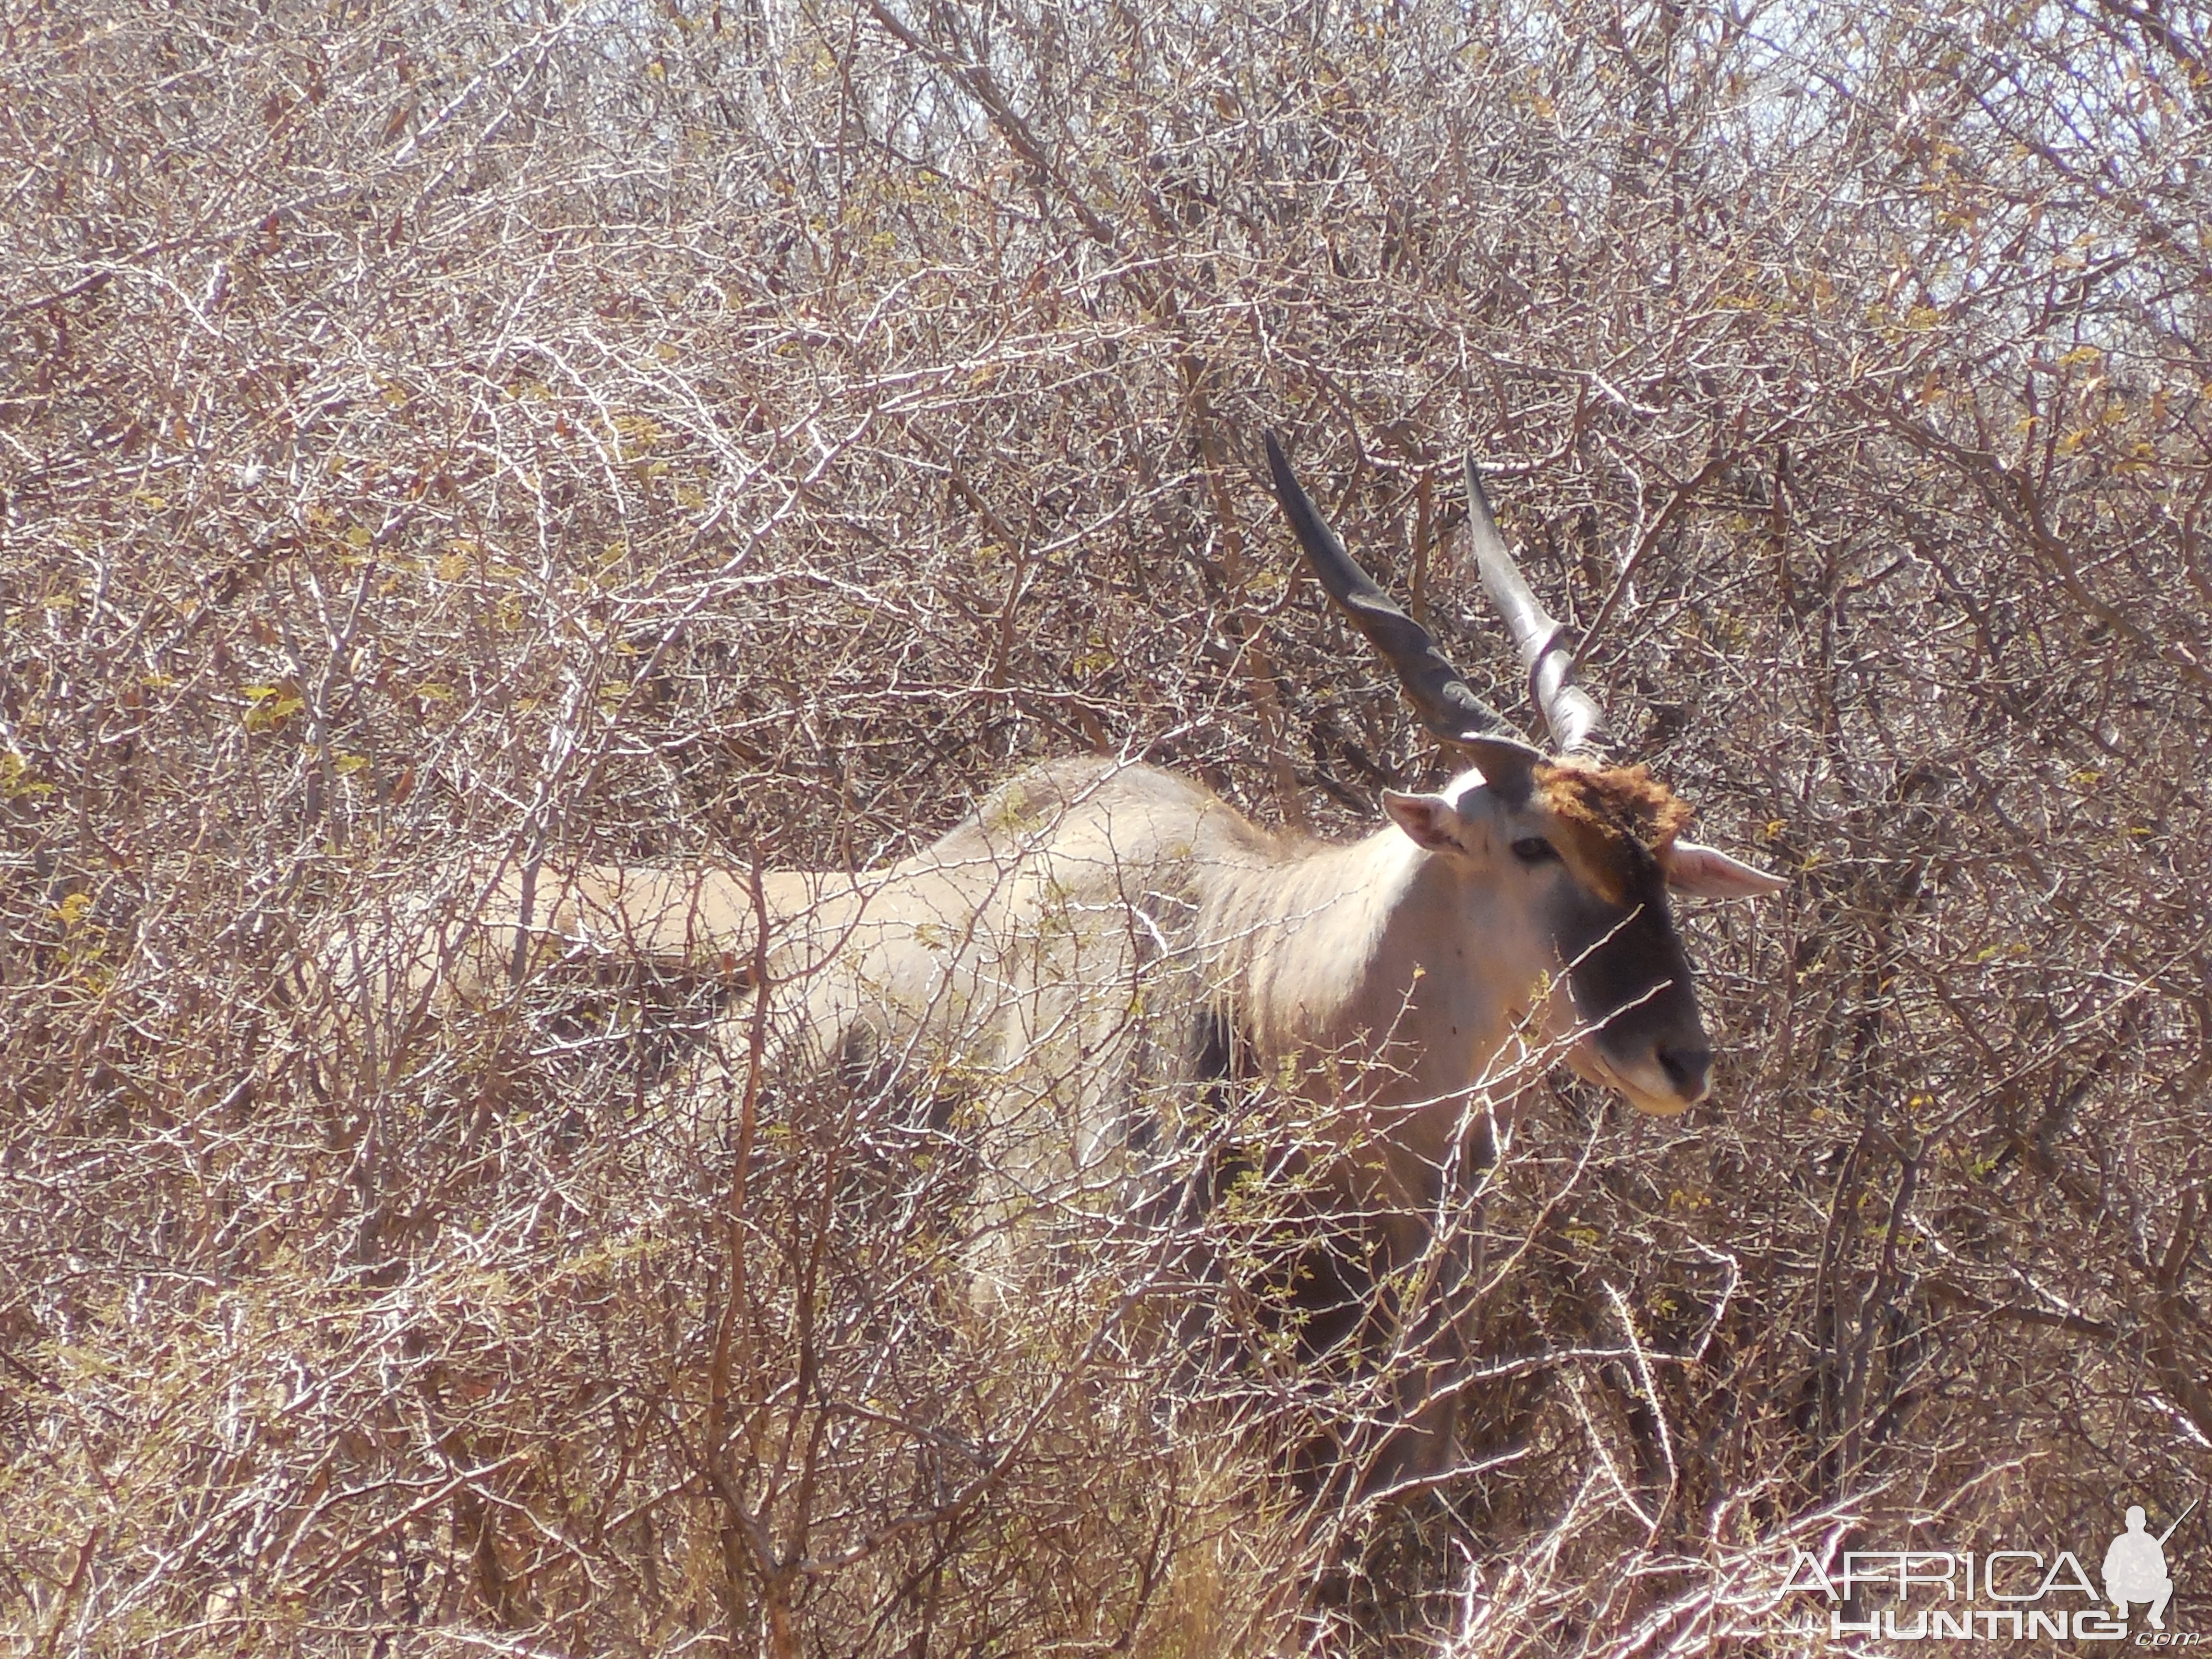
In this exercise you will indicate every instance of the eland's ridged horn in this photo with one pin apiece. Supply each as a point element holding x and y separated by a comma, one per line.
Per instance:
<point>1439,693</point>
<point>1571,715</point>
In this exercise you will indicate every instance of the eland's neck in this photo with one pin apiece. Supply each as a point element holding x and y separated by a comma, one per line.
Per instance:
<point>1300,936</point>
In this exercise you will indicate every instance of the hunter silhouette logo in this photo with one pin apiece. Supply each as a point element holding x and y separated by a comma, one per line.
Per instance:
<point>2135,1567</point>
<point>2017,1594</point>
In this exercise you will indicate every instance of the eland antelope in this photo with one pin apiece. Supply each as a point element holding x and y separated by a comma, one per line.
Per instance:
<point>1099,934</point>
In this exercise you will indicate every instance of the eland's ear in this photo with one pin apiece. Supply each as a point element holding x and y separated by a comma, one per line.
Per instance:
<point>1708,872</point>
<point>1432,821</point>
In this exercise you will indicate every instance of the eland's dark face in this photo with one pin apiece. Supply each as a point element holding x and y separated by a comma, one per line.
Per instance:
<point>1630,978</point>
<point>1577,862</point>
<point>1599,835</point>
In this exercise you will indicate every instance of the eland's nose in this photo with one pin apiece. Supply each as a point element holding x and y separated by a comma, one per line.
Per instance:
<point>1686,1069</point>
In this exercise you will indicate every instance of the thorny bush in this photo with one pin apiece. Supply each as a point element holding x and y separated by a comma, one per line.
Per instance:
<point>439,430</point>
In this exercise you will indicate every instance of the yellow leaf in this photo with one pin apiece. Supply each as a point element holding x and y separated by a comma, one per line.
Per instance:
<point>270,707</point>
<point>359,536</point>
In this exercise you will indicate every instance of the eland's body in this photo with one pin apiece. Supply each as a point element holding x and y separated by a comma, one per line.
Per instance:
<point>1098,937</point>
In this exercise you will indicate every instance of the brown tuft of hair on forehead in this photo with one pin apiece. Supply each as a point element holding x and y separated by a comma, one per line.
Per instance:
<point>1608,815</point>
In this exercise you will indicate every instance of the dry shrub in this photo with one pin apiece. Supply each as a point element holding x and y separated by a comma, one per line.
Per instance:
<point>431,433</point>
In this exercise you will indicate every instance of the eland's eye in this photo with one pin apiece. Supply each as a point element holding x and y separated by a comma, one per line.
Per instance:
<point>1534,849</point>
